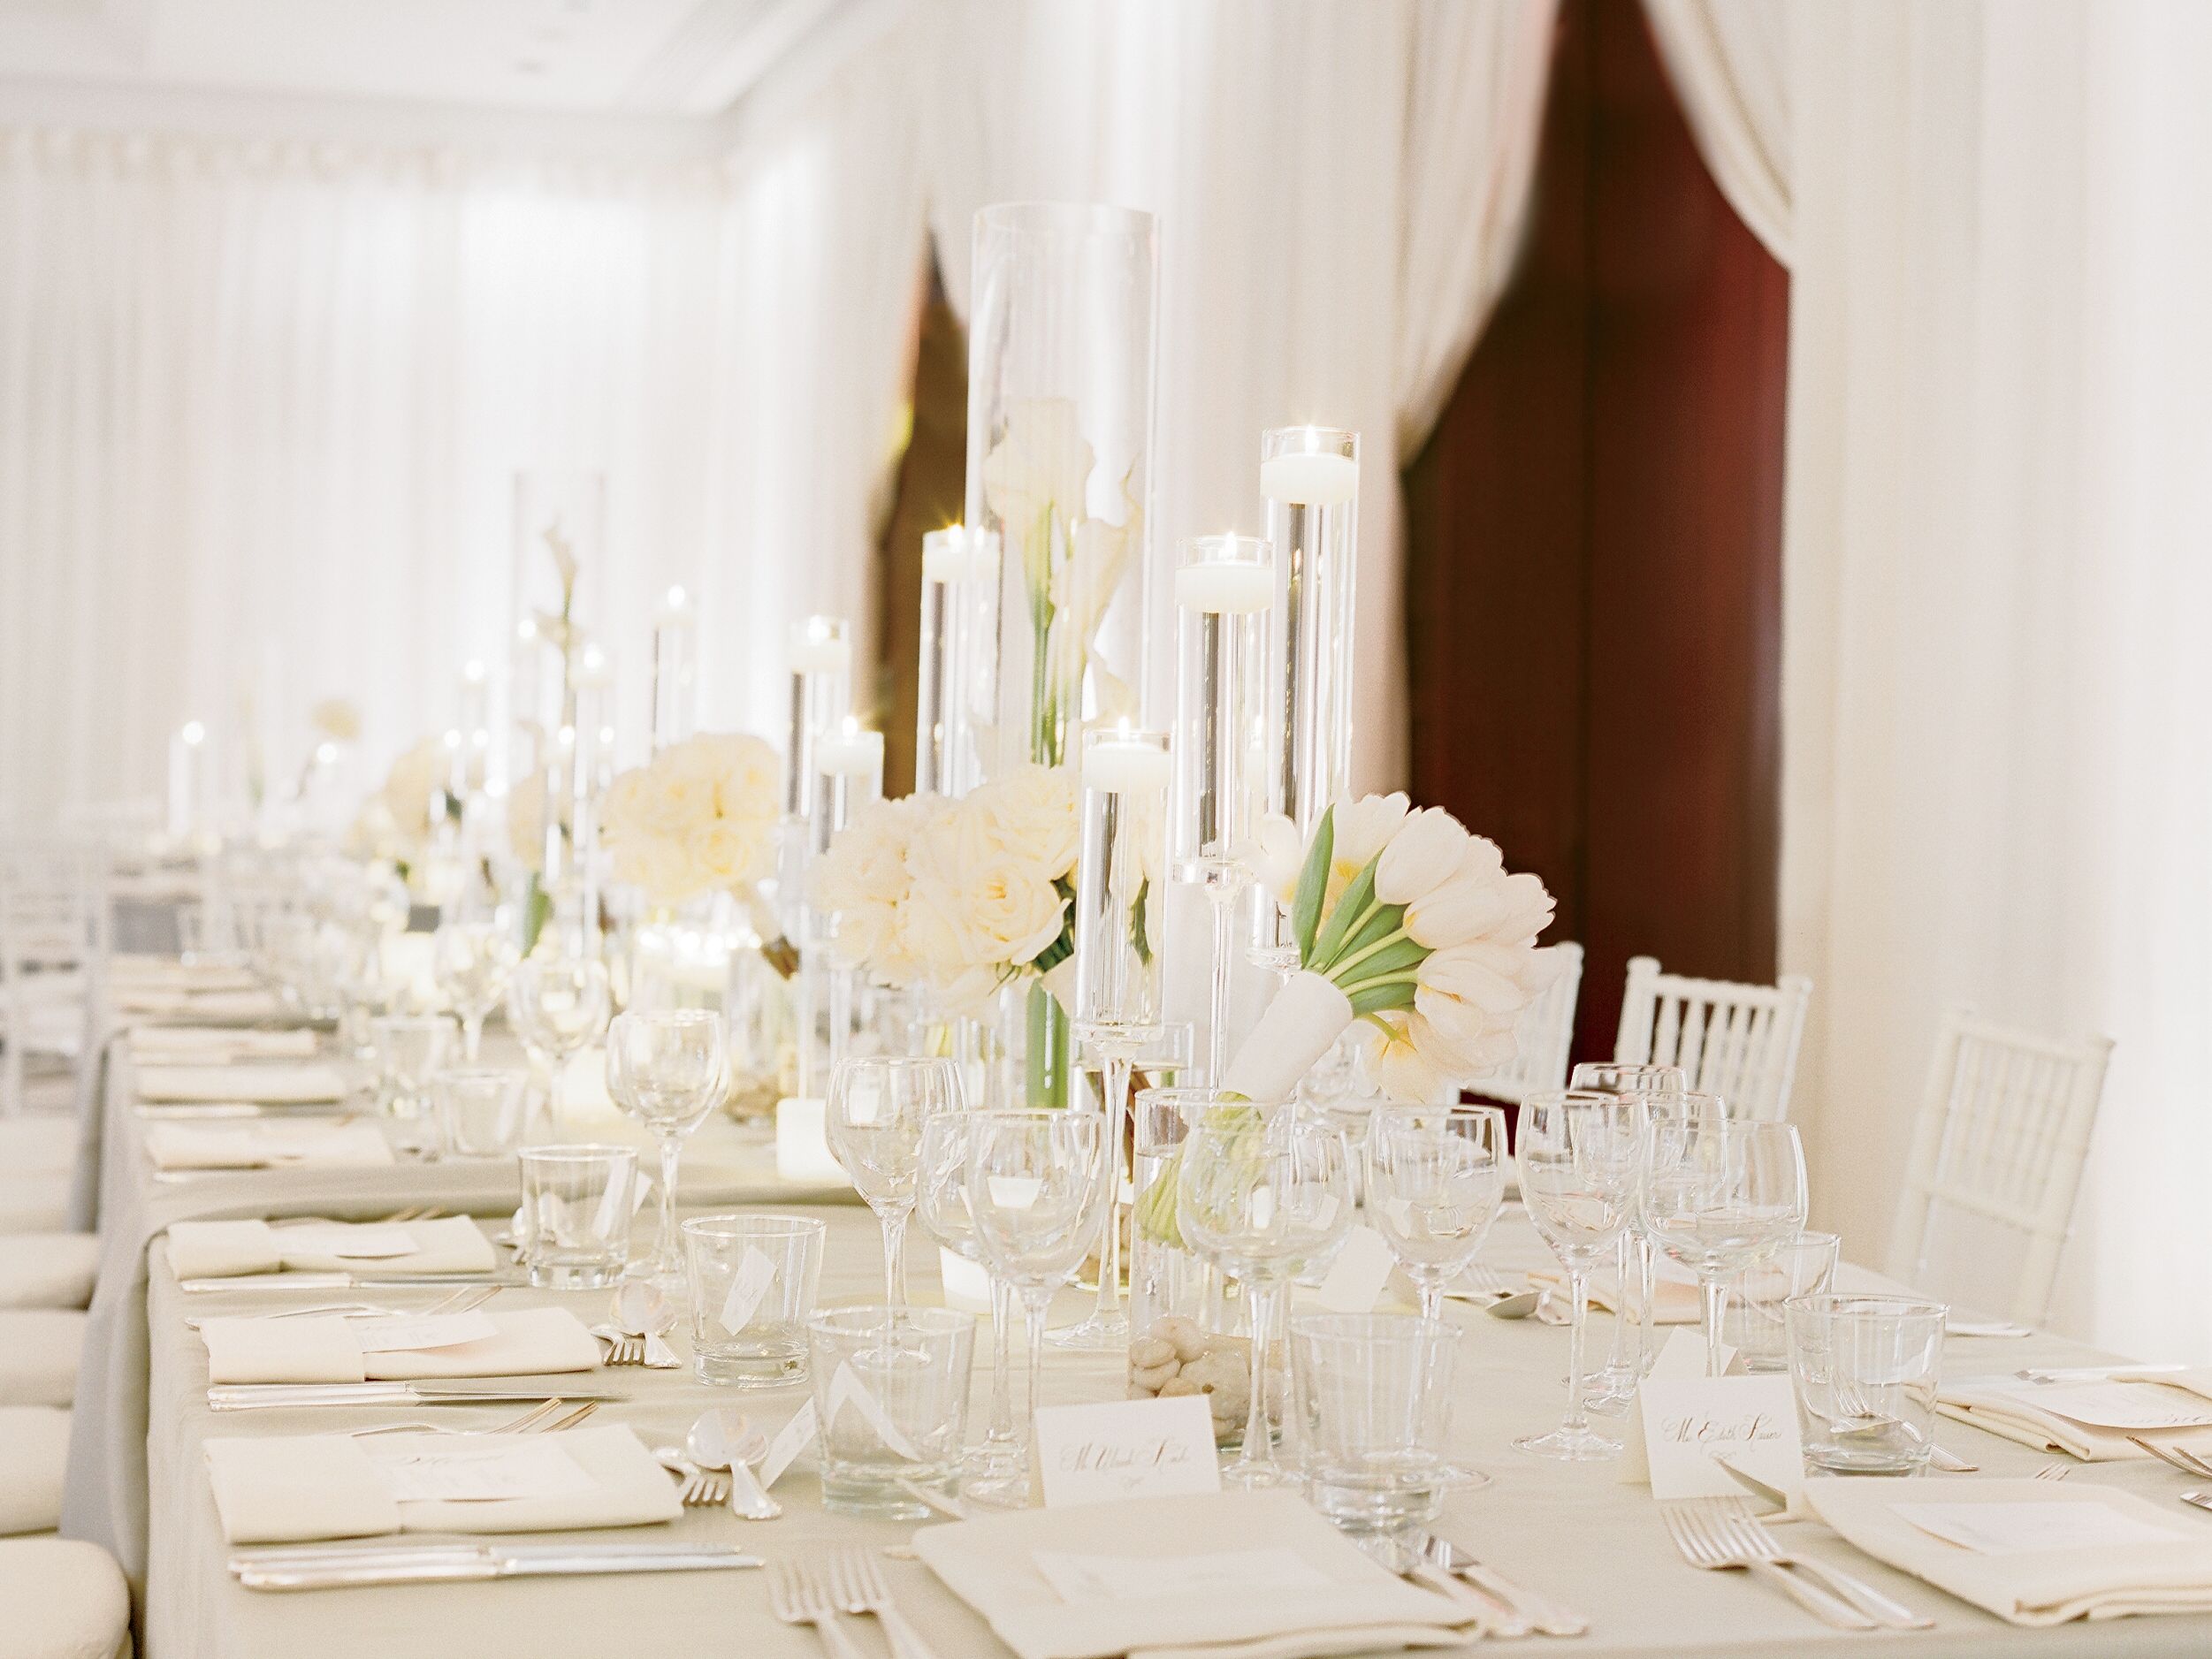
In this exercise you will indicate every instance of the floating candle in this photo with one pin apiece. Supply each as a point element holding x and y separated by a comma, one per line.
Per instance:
<point>1318,480</point>
<point>953,554</point>
<point>1127,765</point>
<point>1230,585</point>
<point>848,753</point>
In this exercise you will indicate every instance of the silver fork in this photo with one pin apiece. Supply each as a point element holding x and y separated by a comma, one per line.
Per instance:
<point>530,1422</point>
<point>1702,1548</point>
<point>797,1596</point>
<point>1737,1528</point>
<point>462,1301</point>
<point>2053,1472</point>
<point>622,1349</point>
<point>2178,1457</point>
<point>856,1581</point>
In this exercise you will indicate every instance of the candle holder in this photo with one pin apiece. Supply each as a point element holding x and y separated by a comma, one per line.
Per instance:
<point>1310,476</point>
<point>188,783</point>
<point>959,636</point>
<point>675,644</point>
<point>1224,593</point>
<point>1120,1006</point>
<point>847,776</point>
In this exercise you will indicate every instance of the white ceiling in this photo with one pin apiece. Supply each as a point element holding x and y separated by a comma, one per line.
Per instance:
<point>665,58</point>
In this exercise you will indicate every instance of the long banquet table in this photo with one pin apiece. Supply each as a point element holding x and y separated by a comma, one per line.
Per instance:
<point>1574,1531</point>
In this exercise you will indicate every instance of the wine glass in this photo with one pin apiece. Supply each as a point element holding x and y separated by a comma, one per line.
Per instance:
<point>1578,1159</point>
<point>1265,1199</point>
<point>876,1107</point>
<point>1036,1190</point>
<point>557,1003</point>
<point>1718,1194</point>
<point>1435,1179</point>
<point>472,961</point>
<point>1615,1384</point>
<point>994,1472</point>
<point>665,1069</point>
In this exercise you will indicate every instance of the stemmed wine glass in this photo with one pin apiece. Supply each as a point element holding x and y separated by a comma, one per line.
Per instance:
<point>1263,1198</point>
<point>1718,1194</point>
<point>1436,1176</point>
<point>557,1003</point>
<point>1578,1158</point>
<point>1615,1384</point>
<point>1036,1189</point>
<point>993,1472</point>
<point>875,1111</point>
<point>472,961</point>
<point>665,1069</point>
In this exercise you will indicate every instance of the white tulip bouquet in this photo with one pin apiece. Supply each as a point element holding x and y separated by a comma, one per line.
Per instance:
<point>1410,927</point>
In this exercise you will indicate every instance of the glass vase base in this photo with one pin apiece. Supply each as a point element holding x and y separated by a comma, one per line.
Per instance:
<point>1243,1475</point>
<point>1570,1445</point>
<point>1099,1334</point>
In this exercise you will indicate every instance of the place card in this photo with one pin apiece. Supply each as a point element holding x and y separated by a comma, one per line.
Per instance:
<point>756,1272</point>
<point>1125,1449</point>
<point>1233,1572</point>
<point>1688,1425</point>
<point>431,1469</point>
<point>2034,1528</point>
<point>420,1330</point>
<point>1355,1279</point>
<point>792,1438</point>
<point>847,1389</point>
<point>369,1241</point>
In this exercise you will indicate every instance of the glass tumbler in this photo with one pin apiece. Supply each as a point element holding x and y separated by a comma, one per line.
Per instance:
<point>577,1204</point>
<point>1372,1393</point>
<point>410,1050</point>
<point>480,1112</point>
<point>1754,1328</point>
<point>752,1283</point>
<point>1864,1369</point>
<point>891,1397</point>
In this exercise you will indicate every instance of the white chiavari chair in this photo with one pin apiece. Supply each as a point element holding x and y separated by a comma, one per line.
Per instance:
<point>1545,1034</point>
<point>48,942</point>
<point>2003,1135</point>
<point>1738,1041</point>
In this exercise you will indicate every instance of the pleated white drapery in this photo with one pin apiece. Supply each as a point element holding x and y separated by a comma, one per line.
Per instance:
<point>1730,63</point>
<point>1997,710</point>
<point>261,408</point>
<point>1340,191</point>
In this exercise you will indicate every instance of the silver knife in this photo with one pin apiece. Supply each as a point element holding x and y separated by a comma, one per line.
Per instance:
<point>2085,1373</point>
<point>247,1397</point>
<point>1549,1617</point>
<point>317,1569</point>
<point>338,1281</point>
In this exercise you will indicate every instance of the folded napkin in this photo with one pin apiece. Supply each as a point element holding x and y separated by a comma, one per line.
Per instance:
<point>236,1008</point>
<point>265,1086</point>
<point>264,1144</point>
<point>533,1342</point>
<point>2159,1560</point>
<point>295,1488</point>
<point>2089,1420</point>
<point>139,972</point>
<point>216,1044</point>
<point>1235,1575</point>
<point>221,1250</point>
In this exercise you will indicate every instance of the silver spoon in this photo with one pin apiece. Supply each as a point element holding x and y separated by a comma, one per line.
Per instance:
<point>641,1308</point>
<point>1518,1306</point>
<point>723,1439</point>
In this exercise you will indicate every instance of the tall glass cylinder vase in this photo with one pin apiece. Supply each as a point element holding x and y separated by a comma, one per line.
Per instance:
<point>956,704</point>
<point>821,655</point>
<point>1060,369</point>
<point>1224,590</point>
<point>675,650</point>
<point>1309,478</point>
<point>559,556</point>
<point>847,776</point>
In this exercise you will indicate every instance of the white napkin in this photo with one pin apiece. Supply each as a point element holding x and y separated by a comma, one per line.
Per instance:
<point>137,971</point>
<point>221,1250</point>
<point>174,1002</point>
<point>2038,1414</point>
<point>266,1085</point>
<point>216,1044</point>
<point>293,1488</point>
<point>1312,1592</point>
<point>2044,1586</point>
<point>533,1342</point>
<point>264,1144</point>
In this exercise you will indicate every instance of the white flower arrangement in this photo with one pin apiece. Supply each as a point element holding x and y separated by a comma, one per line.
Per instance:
<point>395,823</point>
<point>698,817</point>
<point>959,895</point>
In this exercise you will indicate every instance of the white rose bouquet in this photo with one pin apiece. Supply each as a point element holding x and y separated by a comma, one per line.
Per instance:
<point>698,817</point>
<point>396,822</point>
<point>1409,926</point>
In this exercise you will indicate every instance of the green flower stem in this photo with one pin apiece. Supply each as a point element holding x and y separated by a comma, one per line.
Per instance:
<point>1374,907</point>
<point>1338,970</point>
<point>1411,975</point>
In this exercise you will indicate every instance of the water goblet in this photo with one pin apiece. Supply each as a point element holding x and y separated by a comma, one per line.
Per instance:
<point>665,1069</point>
<point>1716,1196</point>
<point>1036,1191</point>
<point>471,961</point>
<point>1614,1385</point>
<point>557,1003</point>
<point>1265,1198</point>
<point>874,1119</point>
<point>1578,1160</point>
<point>995,1474</point>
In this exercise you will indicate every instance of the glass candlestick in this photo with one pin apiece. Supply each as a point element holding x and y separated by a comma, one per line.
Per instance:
<point>959,638</point>
<point>675,644</point>
<point>1310,476</point>
<point>1119,908</point>
<point>822,695</point>
<point>187,781</point>
<point>1224,589</point>
<point>847,776</point>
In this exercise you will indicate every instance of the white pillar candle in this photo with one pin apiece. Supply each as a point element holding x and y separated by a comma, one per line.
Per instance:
<point>185,750</point>
<point>954,554</point>
<point>850,753</point>
<point>1125,765</point>
<point>1319,481</point>
<point>816,652</point>
<point>1230,585</point>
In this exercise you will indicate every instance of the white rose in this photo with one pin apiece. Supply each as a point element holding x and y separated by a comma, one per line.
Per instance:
<point>1015,911</point>
<point>526,821</point>
<point>414,777</point>
<point>729,854</point>
<point>1030,812</point>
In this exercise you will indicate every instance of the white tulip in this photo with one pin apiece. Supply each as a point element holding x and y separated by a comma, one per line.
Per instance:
<point>1426,852</point>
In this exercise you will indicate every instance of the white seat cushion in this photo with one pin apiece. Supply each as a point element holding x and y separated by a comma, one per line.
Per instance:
<point>42,1143</point>
<point>48,1269</point>
<point>33,1450</point>
<point>35,1204</point>
<point>38,1356</point>
<point>65,1599</point>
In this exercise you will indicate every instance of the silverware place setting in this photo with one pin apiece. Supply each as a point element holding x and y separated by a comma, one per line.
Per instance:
<point>331,1566</point>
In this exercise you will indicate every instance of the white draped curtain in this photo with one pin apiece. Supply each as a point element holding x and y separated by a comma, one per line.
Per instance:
<point>1997,705</point>
<point>1340,191</point>
<point>262,406</point>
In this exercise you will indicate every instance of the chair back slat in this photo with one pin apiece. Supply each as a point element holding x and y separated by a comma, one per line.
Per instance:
<point>1738,1041</point>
